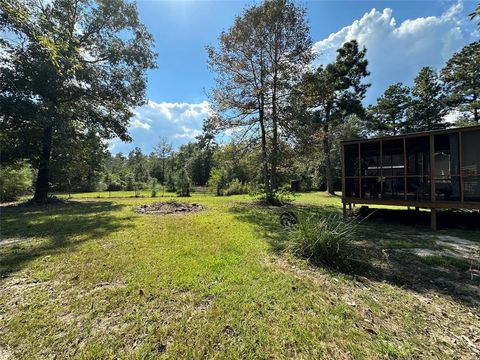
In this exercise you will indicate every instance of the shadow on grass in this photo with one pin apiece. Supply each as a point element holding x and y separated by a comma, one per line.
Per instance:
<point>372,258</point>
<point>464,222</point>
<point>31,231</point>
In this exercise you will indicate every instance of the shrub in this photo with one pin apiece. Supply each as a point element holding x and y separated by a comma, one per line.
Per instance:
<point>130,182</point>
<point>15,180</point>
<point>137,187</point>
<point>284,195</point>
<point>281,196</point>
<point>115,186</point>
<point>101,186</point>
<point>183,183</point>
<point>218,181</point>
<point>170,183</point>
<point>323,240</point>
<point>154,188</point>
<point>236,188</point>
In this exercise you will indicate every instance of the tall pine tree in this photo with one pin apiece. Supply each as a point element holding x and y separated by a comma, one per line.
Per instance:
<point>461,76</point>
<point>388,116</point>
<point>328,95</point>
<point>427,108</point>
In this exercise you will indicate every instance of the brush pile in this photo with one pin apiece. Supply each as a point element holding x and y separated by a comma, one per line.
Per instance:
<point>167,207</point>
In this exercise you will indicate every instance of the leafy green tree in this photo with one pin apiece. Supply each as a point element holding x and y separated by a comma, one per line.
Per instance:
<point>218,180</point>
<point>15,180</point>
<point>389,115</point>
<point>257,62</point>
<point>78,163</point>
<point>118,173</point>
<point>170,183</point>
<point>154,187</point>
<point>461,76</point>
<point>195,160</point>
<point>427,108</point>
<point>239,160</point>
<point>308,163</point>
<point>137,163</point>
<point>206,145</point>
<point>70,64</point>
<point>327,96</point>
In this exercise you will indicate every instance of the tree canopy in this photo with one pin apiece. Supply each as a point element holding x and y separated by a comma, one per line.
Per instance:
<point>461,76</point>
<point>329,95</point>
<point>427,107</point>
<point>388,115</point>
<point>256,64</point>
<point>68,66</point>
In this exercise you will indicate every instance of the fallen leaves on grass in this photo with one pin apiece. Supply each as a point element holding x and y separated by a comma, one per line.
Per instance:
<point>167,207</point>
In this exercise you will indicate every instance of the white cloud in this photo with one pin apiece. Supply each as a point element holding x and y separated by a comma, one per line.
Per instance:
<point>397,52</point>
<point>177,122</point>
<point>136,123</point>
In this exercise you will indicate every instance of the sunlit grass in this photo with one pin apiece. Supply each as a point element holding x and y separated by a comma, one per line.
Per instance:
<point>92,279</point>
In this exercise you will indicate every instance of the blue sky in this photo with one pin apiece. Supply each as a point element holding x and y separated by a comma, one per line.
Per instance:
<point>400,37</point>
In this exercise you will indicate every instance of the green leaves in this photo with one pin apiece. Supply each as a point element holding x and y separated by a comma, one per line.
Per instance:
<point>476,14</point>
<point>388,116</point>
<point>257,63</point>
<point>461,76</point>
<point>427,107</point>
<point>75,64</point>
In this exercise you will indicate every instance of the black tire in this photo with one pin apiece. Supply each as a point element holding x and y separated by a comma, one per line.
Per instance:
<point>288,219</point>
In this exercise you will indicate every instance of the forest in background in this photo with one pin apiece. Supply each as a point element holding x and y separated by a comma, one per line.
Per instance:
<point>286,118</point>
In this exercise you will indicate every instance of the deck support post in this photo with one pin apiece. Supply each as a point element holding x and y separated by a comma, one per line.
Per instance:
<point>433,219</point>
<point>345,211</point>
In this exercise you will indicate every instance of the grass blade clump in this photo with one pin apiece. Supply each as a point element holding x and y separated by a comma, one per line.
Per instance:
<point>325,240</point>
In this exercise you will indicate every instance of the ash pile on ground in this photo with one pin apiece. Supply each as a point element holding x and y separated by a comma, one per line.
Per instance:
<point>167,207</point>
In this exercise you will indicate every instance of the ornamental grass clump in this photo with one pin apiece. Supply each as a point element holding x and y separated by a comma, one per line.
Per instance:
<point>324,240</point>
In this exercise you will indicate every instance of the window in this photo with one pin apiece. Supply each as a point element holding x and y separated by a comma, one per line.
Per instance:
<point>471,165</point>
<point>418,156</point>
<point>352,188</point>
<point>471,153</point>
<point>447,174</point>
<point>351,160</point>
<point>406,168</point>
<point>392,161</point>
<point>418,188</point>
<point>370,159</point>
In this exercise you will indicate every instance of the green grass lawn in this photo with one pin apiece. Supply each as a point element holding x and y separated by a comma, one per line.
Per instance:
<point>91,279</point>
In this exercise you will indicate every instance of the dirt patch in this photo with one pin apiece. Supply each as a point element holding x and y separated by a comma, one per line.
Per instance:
<point>466,248</point>
<point>8,204</point>
<point>449,246</point>
<point>15,241</point>
<point>6,354</point>
<point>167,207</point>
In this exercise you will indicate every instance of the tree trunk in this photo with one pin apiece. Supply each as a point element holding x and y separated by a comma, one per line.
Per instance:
<point>326,151</point>
<point>273,172</point>
<point>41,189</point>
<point>261,120</point>
<point>328,165</point>
<point>476,115</point>
<point>163,171</point>
<point>267,187</point>
<point>274,160</point>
